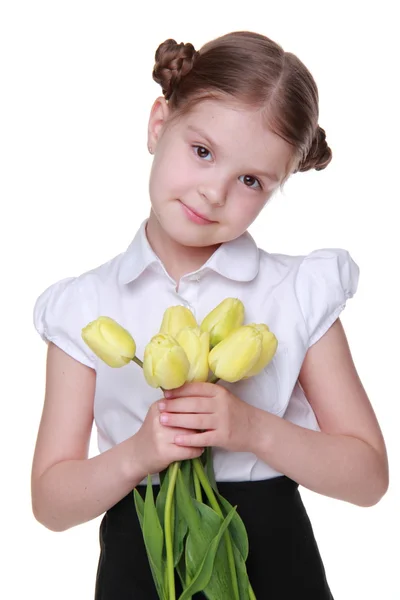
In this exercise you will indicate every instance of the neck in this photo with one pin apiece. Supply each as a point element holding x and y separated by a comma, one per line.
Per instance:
<point>178,260</point>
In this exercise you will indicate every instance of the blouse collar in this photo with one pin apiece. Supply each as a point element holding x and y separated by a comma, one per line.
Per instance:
<point>237,260</point>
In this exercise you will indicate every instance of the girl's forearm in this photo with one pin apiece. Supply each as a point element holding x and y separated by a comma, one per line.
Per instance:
<point>75,491</point>
<point>338,466</point>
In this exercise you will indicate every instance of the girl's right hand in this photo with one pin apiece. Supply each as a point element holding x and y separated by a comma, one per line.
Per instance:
<point>154,444</point>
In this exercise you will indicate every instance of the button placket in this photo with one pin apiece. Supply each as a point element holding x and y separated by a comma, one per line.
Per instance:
<point>188,293</point>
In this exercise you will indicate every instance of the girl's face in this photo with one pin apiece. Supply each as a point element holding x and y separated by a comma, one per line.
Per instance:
<point>214,169</point>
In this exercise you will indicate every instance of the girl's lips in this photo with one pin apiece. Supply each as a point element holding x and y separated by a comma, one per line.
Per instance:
<point>195,217</point>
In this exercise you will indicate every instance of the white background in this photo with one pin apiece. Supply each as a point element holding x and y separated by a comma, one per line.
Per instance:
<point>76,92</point>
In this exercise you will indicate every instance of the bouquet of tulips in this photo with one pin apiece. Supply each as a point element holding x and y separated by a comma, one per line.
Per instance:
<point>189,527</point>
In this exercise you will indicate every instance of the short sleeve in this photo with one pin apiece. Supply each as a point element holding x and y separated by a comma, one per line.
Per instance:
<point>61,312</point>
<point>326,280</point>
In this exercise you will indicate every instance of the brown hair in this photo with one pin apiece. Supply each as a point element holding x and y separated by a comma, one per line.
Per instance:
<point>253,69</point>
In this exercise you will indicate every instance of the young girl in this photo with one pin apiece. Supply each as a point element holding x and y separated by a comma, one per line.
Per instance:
<point>235,121</point>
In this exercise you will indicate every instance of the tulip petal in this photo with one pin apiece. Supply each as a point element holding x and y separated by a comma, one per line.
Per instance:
<point>176,318</point>
<point>269,346</point>
<point>196,344</point>
<point>227,316</point>
<point>100,335</point>
<point>232,358</point>
<point>165,363</point>
<point>118,339</point>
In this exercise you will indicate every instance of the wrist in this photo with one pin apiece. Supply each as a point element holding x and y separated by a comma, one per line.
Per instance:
<point>260,432</point>
<point>133,469</point>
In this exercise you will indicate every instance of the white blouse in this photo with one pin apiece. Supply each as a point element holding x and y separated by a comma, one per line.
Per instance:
<point>298,297</point>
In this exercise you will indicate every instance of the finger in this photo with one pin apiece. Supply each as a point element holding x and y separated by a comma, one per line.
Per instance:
<point>196,440</point>
<point>195,388</point>
<point>184,453</point>
<point>188,421</point>
<point>188,405</point>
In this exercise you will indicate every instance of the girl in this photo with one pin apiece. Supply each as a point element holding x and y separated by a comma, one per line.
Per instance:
<point>235,121</point>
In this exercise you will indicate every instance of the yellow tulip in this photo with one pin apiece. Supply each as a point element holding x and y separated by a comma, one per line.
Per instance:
<point>165,363</point>
<point>176,318</point>
<point>269,346</point>
<point>196,344</point>
<point>223,319</point>
<point>109,341</point>
<point>244,352</point>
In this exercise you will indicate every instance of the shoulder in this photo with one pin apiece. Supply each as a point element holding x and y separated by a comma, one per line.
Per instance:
<point>84,290</point>
<point>66,306</point>
<point>320,282</point>
<point>326,264</point>
<point>329,273</point>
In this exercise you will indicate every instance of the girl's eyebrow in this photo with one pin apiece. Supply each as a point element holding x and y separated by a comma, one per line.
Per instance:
<point>200,132</point>
<point>270,176</point>
<point>213,144</point>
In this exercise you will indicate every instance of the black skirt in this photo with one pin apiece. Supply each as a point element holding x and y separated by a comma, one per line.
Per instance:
<point>283,563</point>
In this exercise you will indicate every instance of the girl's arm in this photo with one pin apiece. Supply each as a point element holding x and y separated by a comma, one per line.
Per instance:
<point>67,487</point>
<point>347,459</point>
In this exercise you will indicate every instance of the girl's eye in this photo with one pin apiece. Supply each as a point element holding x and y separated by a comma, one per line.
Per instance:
<point>202,152</point>
<point>251,182</point>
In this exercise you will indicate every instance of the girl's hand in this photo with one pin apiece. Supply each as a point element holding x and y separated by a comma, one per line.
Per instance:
<point>155,444</point>
<point>220,418</point>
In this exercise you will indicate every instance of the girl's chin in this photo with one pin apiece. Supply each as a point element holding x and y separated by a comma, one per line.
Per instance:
<point>189,238</point>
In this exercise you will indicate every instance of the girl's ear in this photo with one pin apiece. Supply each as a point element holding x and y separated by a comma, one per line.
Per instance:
<point>158,118</point>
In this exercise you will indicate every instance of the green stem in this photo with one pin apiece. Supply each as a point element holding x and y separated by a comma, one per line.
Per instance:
<point>197,487</point>
<point>214,504</point>
<point>137,361</point>
<point>252,595</point>
<point>169,546</point>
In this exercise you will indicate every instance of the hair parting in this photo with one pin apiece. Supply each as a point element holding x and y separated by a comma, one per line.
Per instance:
<point>252,69</point>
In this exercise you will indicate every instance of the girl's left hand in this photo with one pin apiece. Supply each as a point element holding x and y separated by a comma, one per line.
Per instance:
<point>222,419</point>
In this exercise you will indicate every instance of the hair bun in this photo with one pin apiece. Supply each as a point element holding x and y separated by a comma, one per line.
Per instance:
<point>172,62</point>
<point>319,155</point>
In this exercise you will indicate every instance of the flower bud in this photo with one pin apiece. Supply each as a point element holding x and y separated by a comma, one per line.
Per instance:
<point>196,344</point>
<point>269,346</point>
<point>165,363</point>
<point>243,353</point>
<point>223,319</point>
<point>109,341</point>
<point>176,318</point>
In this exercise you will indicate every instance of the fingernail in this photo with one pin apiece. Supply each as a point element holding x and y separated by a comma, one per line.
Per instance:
<point>179,439</point>
<point>168,393</point>
<point>162,405</point>
<point>164,418</point>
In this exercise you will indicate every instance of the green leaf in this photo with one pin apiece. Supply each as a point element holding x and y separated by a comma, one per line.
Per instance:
<point>187,475</point>
<point>139,504</point>
<point>237,528</point>
<point>161,498</point>
<point>181,570</point>
<point>203,575</point>
<point>200,537</point>
<point>154,539</point>
<point>185,504</point>
<point>220,584</point>
<point>162,474</point>
<point>204,524</point>
<point>241,573</point>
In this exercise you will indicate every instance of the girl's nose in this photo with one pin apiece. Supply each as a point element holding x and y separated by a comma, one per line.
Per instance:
<point>214,193</point>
